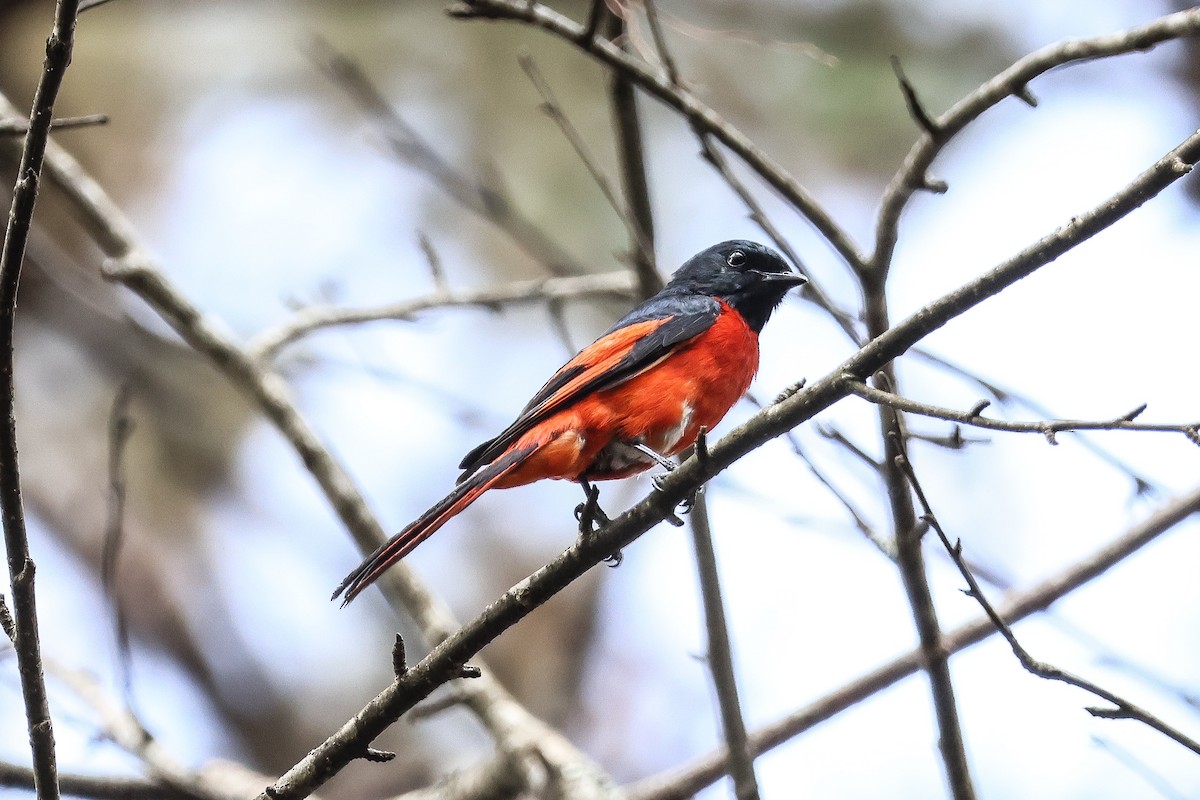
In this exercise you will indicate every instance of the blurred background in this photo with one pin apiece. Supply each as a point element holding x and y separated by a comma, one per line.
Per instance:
<point>262,188</point>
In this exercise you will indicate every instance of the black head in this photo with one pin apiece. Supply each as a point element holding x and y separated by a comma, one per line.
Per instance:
<point>750,277</point>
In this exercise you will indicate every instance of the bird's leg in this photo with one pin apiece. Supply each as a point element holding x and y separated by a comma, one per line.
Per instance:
<point>688,502</point>
<point>656,456</point>
<point>589,513</point>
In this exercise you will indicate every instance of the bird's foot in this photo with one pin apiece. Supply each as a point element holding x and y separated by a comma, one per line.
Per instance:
<point>589,513</point>
<point>685,505</point>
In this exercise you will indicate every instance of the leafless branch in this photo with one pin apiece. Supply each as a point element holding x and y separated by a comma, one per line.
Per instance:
<point>631,156</point>
<point>314,318</point>
<point>126,731</point>
<point>682,100</point>
<point>14,776</point>
<point>16,542</point>
<point>860,521</point>
<point>120,428</point>
<point>404,141</point>
<point>1047,428</point>
<point>19,127</point>
<point>1121,708</point>
<point>720,657</point>
<point>1012,82</point>
<point>683,783</point>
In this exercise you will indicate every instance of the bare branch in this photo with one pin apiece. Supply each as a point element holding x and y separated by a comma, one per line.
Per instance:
<point>120,428</point>
<point>1122,708</point>
<point>126,731</point>
<point>1012,82</point>
<point>19,127</point>
<point>720,657</point>
<point>14,776</point>
<point>631,155</point>
<point>682,100</point>
<point>683,783</point>
<point>1047,428</point>
<point>637,219</point>
<point>314,318</point>
<point>915,107</point>
<point>16,542</point>
<point>407,145</point>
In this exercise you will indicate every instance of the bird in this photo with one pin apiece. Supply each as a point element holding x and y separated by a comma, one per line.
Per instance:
<point>641,393</point>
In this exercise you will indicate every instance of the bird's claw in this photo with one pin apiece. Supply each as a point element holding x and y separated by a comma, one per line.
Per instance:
<point>590,515</point>
<point>685,506</point>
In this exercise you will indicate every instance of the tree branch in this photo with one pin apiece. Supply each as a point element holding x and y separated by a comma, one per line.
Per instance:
<point>681,784</point>
<point>1123,709</point>
<point>314,318</point>
<point>631,155</point>
<point>1047,428</point>
<point>16,542</point>
<point>720,657</point>
<point>410,148</point>
<point>1012,82</point>
<point>682,100</point>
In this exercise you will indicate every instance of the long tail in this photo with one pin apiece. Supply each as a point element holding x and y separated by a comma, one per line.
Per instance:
<point>403,542</point>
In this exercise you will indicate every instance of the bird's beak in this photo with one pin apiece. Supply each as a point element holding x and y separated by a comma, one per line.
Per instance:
<point>793,279</point>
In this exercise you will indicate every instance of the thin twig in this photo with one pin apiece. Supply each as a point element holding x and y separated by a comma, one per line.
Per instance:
<point>308,320</point>
<point>124,729</point>
<point>720,656</point>
<point>682,783</point>
<point>915,107</point>
<point>1012,82</point>
<point>682,100</point>
<point>475,195</point>
<point>1122,708</point>
<point>631,155</point>
<point>120,428</point>
<point>18,127</point>
<point>910,560</point>
<point>15,776</point>
<point>860,521</point>
<point>20,564</point>
<point>1142,483</point>
<point>642,244</point>
<point>1047,428</point>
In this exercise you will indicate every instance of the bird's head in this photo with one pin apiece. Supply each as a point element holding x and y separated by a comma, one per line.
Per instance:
<point>748,276</point>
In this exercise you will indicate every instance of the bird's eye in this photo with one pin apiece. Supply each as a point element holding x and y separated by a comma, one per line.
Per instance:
<point>736,259</point>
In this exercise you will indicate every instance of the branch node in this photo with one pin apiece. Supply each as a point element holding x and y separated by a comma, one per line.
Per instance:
<point>1023,93</point>
<point>1107,713</point>
<point>702,454</point>
<point>378,756</point>
<point>789,391</point>
<point>6,621</point>
<point>933,185</point>
<point>1137,412</point>
<point>978,408</point>
<point>915,109</point>
<point>399,659</point>
<point>470,671</point>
